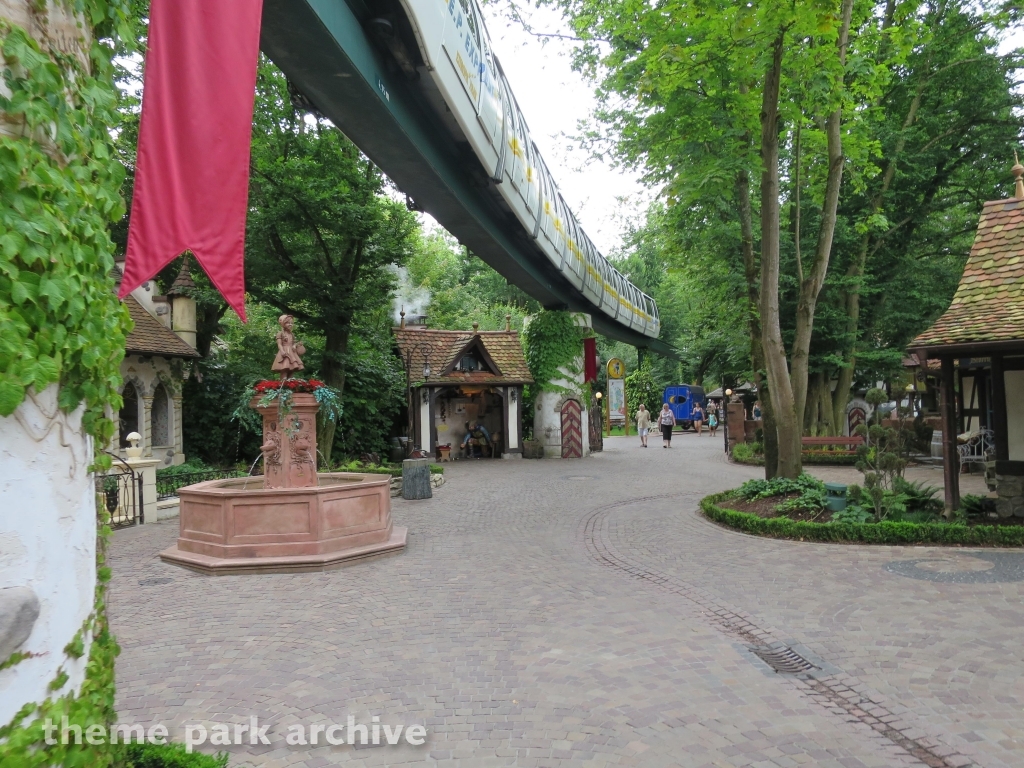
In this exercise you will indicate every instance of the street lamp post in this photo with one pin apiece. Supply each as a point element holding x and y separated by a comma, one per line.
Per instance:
<point>725,418</point>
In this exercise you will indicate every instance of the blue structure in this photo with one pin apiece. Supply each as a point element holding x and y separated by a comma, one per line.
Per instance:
<point>681,399</point>
<point>360,64</point>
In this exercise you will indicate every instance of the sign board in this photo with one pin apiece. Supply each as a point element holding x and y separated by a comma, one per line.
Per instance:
<point>616,400</point>
<point>616,369</point>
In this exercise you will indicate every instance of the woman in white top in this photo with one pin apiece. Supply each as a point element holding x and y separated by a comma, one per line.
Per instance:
<point>667,420</point>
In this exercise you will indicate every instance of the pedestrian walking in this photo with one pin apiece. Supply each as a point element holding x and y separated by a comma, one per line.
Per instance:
<point>667,420</point>
<point>643,424</point>
<point>698,418</point>
<point>712,421</point>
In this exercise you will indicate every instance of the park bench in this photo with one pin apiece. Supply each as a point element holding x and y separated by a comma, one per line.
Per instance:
<point>846,444</point>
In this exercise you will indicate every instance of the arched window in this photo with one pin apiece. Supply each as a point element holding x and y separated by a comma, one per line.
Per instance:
<point>160,426</point>
<point>128,417</point>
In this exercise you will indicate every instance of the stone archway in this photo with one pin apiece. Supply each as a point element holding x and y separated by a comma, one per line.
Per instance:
<point>572,430</point>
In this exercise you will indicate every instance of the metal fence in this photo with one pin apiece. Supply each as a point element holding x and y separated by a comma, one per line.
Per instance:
<point>168,485</point>
<point>120,493</point>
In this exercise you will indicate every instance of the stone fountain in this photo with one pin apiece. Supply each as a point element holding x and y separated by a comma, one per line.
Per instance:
<point>292,518</point>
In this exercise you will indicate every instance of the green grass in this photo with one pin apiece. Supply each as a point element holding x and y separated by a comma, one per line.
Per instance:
<point>886,532</point>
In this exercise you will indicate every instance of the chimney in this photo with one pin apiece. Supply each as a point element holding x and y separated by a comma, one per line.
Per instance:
<point>508,323</point>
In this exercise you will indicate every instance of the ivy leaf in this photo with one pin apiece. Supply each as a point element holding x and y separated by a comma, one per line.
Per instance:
<point>11,395</point>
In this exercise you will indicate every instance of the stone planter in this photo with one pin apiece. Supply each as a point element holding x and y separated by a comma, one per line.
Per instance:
<point>533,449</point>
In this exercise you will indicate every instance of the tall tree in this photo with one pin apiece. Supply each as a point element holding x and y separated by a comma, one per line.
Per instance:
<point>322,231</point>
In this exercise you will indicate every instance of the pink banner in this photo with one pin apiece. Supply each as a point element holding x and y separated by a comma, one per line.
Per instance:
<point>192,170</point>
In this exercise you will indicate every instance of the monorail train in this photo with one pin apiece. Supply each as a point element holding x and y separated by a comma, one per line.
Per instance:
<point>452,65</point>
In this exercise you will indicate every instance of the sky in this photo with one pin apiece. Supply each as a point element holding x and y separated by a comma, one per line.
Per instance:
<point>554,99</point>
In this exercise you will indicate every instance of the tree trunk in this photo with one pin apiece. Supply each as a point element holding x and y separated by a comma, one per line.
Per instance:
<point>780,390</point>
<point>771,444</point>
<point>810,286</point>
<point>333,372</point>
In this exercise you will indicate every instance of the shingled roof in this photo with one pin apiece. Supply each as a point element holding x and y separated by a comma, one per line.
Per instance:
<point>151,337</point>
<point>988,307</point>
<point>441,348</point>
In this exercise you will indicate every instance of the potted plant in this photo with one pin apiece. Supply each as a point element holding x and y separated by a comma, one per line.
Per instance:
<point>532,449</point>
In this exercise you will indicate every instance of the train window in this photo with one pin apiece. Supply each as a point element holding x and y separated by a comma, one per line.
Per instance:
<point>467,8</point>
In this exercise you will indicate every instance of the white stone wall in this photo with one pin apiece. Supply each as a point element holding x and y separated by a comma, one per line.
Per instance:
<point>547,419</point>
<point>47,542</point>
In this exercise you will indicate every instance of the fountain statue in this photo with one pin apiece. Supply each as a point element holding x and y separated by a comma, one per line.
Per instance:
<point>292,518</point>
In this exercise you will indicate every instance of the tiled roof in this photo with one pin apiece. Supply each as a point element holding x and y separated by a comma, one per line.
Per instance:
<point>440,347</point>
<point>989,303</point>
<point>151,337</point>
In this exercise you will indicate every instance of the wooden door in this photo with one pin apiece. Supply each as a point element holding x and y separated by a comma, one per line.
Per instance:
<point>572,430</point>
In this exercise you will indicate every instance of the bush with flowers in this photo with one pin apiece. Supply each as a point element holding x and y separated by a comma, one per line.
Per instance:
<point>280,391</point>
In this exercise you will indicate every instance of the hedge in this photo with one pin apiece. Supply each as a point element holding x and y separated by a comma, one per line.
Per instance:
<point>811,458</point>
<point>863,533</point>
<point>168,756</point>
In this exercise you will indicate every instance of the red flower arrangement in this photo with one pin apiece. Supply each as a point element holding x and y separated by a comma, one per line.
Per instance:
<point>293,385</point>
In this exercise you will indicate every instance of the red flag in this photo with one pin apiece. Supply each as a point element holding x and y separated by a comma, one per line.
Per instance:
<point>589,359</point>
<point>192,170</point>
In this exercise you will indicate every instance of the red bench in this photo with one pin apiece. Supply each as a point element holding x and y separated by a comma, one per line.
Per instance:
<point>848,444</point>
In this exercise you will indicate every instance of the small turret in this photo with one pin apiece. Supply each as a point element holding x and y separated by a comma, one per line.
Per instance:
<point>183,306</point>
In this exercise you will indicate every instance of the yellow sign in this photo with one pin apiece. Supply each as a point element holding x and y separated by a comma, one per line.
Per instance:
<point>616,369</point>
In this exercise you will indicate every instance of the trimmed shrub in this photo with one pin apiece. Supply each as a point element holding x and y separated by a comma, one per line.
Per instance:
<point>886,532</point>
<point>168,756</point>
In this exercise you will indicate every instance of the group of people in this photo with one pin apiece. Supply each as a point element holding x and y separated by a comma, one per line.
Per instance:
<point>666,421</point>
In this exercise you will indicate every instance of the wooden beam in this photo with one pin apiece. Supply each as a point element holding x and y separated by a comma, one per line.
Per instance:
<point>950,458</point>
<point>999,426</point>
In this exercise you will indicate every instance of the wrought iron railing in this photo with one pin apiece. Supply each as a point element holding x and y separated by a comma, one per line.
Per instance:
<point>120,493</point>
<point>168,485</point>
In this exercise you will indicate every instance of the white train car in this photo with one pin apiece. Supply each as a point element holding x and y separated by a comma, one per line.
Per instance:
<point>456,52</point>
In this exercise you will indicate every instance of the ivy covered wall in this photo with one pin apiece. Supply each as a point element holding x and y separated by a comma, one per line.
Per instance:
<point>60,351</point>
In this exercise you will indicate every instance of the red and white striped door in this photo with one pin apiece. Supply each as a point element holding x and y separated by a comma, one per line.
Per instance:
<point>572,430</point>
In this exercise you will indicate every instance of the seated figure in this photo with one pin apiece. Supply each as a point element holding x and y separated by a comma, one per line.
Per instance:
<point>476,438</point>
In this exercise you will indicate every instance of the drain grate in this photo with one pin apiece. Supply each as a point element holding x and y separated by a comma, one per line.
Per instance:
<point>153,582</point>
<point>784,660</point>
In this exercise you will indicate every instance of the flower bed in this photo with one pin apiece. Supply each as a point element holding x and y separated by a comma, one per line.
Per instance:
<point>301,386</point>
<point>885,532</point>
<point>280,391</point>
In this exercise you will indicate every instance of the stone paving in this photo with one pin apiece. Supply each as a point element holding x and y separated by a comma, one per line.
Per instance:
<point>582,613</point>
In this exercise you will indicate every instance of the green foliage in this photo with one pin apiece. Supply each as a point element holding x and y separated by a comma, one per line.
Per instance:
<point>191,465</point>
<point>853,514</point>
<point>395,470</point>
<point>972,505</point>
<point>743,453</point>
<point>882,459</point>
<point>781,486</point>
<point>640,388</point>
<point>59,183</point>
<point>553,340</point>
<point>808,493</point>
<point>135,755</point>
<point>455,289</point>
<point>885,532</point>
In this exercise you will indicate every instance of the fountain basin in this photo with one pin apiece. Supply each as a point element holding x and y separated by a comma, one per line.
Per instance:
<point>238,526</point>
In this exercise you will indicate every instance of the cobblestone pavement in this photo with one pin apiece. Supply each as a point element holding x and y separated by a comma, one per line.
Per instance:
<point>581,613</point>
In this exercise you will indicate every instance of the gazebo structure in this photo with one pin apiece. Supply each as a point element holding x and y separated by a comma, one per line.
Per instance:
<point>458,378</point>
<point>982,334</point>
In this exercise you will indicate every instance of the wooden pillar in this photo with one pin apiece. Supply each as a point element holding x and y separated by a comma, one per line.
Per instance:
<point>950,458</point>
<point>999,425</point>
